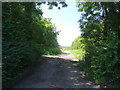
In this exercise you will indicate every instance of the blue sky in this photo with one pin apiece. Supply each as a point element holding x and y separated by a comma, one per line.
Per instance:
<point>66,21</point>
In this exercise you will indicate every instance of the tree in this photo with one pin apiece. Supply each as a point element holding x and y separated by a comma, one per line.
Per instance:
<point>26,36</point>
<point>100,25</point>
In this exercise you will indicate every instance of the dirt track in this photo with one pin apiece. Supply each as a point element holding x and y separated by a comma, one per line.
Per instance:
<point>57,71</point>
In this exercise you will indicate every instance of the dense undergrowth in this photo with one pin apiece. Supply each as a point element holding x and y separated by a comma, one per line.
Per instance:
<point>99,44</point>
<point>26,36</point>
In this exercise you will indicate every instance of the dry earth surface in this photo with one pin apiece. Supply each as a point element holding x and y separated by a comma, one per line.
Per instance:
<point>56,71</point>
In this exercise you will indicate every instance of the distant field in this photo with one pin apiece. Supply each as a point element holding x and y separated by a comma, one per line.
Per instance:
<point>64,46</point>
<point>76,52</point>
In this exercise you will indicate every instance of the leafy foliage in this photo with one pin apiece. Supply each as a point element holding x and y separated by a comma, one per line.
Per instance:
<point>100,27</point>
<point>26,36</point>
<point>78,48</point>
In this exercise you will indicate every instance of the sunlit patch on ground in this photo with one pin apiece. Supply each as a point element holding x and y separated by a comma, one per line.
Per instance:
<point>65,55</point>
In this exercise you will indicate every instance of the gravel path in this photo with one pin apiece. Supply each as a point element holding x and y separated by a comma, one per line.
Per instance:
<point>57,71</point>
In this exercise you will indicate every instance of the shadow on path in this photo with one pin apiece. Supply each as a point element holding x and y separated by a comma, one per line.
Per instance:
<point>55,72</point>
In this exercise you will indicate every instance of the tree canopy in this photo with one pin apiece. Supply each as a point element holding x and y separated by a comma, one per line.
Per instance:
<point>100,27</point>
<point>26,36</point>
